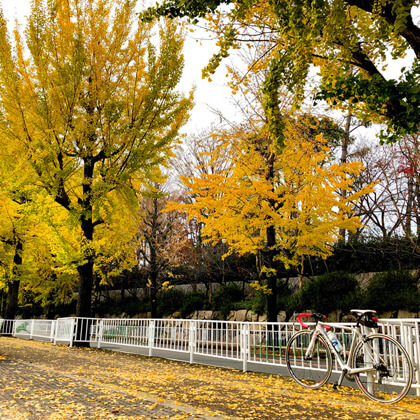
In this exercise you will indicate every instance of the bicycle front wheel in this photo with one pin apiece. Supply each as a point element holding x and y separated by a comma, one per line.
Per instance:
<point>390,371</point>
<point>313,370</point>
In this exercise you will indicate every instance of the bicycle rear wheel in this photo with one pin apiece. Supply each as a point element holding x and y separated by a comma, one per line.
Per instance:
<point>392,371</point>
<point>310,372</point>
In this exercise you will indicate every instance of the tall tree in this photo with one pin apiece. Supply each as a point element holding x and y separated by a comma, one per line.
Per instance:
<point>19,223</point>
<point>393,208</point>
<point>91,103</point>
<point>282,206</point>
<point>350,41</point>
<point>195,157</point>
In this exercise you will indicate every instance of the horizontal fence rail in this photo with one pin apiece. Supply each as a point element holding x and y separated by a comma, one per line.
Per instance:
<point>261,343</point>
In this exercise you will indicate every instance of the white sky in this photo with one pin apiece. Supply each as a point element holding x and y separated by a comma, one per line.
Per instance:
<point>208,95</point>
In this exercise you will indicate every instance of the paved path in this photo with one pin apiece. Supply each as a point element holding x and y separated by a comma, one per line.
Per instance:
<point>42,381</point>
<point>34,392</point>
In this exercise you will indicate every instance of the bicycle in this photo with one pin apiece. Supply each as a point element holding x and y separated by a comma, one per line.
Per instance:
<point>378,363</point>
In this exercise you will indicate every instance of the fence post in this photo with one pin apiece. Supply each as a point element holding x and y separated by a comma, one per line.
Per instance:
<point>416,355</point>
<point>53,327</point>
<point>244,335</point>
<point>56,330</point>
<point>72,331</point>
<point>192,338</point>
<point>100,332</point>
<point>32,329</point>
<point>152,324</point>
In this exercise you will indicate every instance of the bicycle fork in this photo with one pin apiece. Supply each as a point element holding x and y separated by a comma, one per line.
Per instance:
<point>310,350</point>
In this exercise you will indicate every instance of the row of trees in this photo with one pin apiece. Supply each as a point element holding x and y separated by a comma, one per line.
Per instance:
<point>89,112</point>
<point>90,117</point>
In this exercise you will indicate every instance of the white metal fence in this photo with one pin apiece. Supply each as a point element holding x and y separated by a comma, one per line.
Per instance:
<point>42,329</point>
<point>245,342</point>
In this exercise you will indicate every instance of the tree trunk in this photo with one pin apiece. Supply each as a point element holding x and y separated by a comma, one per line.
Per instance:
<point>417,205</point>
<point>343,159</point>
<point>270,253</point>
<point>271,280</point>
<point>153,297</point>
<point>85,270</point>
<point>409,210</point>
<point>154,263</point>
<point>13,285</point>
<point>84,301</point>
<point>12,299</point>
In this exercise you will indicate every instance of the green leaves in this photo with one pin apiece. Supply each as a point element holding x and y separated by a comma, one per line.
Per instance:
<point>397,101</point>
<point>181,8</point>
<point>350,41</point>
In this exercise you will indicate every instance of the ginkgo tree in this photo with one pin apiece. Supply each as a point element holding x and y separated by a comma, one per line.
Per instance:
<point>36,249</point>
<point>39,248</point>
<point>91,103</point>
<point>282,205</point>
<point>349,42</point>
<point>20,225</point>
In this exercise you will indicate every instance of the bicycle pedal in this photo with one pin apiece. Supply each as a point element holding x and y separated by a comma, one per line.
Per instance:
<point>335,385</point>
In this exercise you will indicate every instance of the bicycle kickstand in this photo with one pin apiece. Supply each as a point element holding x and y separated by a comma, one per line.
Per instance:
<point>340,379</point>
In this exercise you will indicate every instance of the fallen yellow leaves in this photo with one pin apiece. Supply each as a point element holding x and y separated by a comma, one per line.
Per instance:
<point>108,385</point>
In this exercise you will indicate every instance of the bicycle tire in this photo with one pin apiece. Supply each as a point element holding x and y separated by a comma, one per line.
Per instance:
<point>392,376</point>
<point>311,373</point>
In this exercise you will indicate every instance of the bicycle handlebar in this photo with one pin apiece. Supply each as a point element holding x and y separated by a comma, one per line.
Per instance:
<point>317,318</point>
<point>300,322</point>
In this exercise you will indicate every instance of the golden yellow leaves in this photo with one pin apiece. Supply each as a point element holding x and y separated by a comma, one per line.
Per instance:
<point>261,288</point>
<point>298,192</point>
<point>112,381</point>
<point>166,285</point>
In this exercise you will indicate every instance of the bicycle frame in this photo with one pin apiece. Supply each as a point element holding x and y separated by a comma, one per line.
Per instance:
<point>379,364</point>
<point>356,337</point>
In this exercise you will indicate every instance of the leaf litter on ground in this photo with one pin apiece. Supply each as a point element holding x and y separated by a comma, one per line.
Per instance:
<point>123,380</point>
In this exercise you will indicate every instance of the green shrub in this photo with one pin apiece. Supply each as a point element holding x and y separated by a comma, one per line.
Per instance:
<point>243,304</point>
<point>328,292</point>
<point>226,296</point>
<point>133,306</point>
<point>391,291</point>
<point>259,303</point>
<point>294,304</point>
<point>170,301</point>
<point>130,306</point>
<point>193,301</point>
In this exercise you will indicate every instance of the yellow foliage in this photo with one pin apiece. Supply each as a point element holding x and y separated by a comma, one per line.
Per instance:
<point>295,191</point>
<point>90,114</point>
<point>261,288</point>
<point>166,286</point>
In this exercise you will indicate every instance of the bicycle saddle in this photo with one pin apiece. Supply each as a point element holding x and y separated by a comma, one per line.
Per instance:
<point>361,312</point>
<point>365,317</point>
